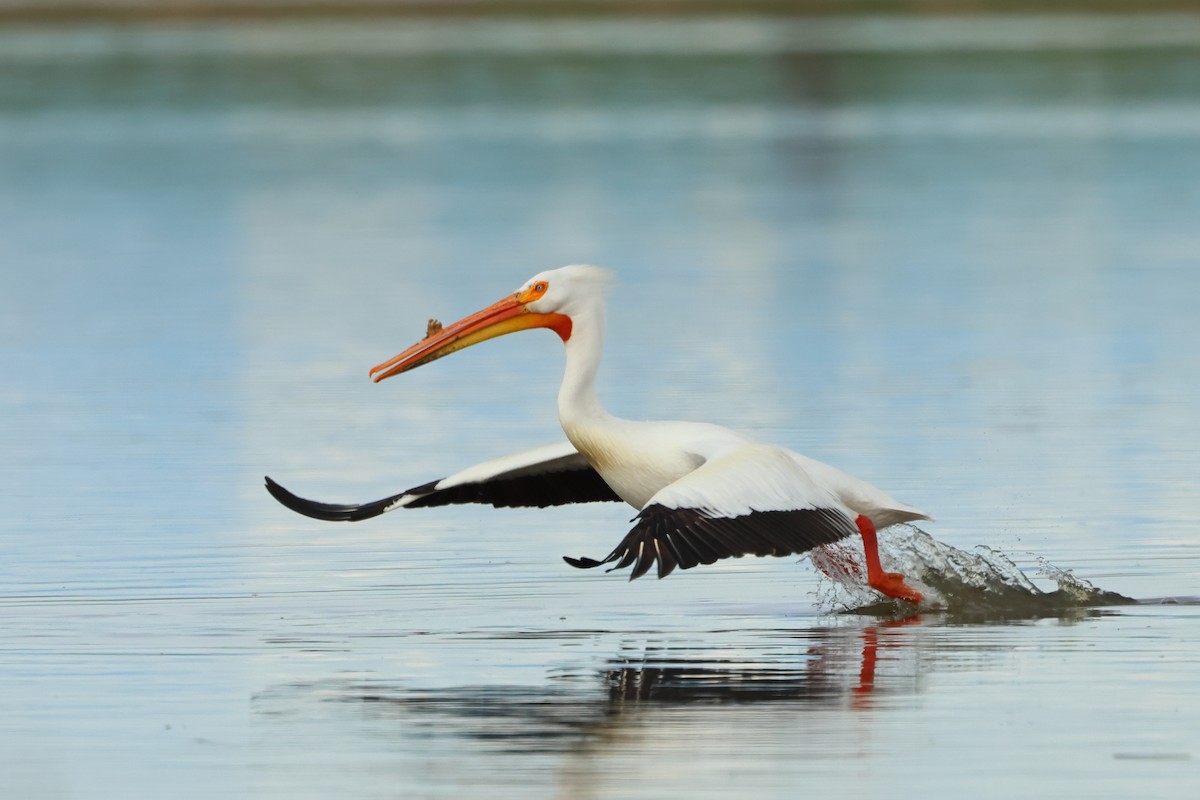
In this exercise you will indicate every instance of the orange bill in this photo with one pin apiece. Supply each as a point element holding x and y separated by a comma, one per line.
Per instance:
<point>506,316</point>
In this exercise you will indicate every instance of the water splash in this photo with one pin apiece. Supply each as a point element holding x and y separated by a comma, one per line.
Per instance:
<point>980,586</point>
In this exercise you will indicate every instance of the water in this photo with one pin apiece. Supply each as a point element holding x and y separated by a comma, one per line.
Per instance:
<point>957,265</point>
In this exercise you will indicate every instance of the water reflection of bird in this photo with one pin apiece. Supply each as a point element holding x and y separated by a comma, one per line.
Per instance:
<point>703,492</point>
<point>575,711</point>
<point>826,674</point>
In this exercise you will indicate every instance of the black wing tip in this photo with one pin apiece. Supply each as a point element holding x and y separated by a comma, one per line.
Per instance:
<point>298,504</point>
<point>583,562</point>
<point>279,493</point>
<point>328,512</point>
<point>283,495</point>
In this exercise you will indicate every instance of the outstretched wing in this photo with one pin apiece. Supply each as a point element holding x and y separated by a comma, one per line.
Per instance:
<point>546,476</point>
<point>754,500</point>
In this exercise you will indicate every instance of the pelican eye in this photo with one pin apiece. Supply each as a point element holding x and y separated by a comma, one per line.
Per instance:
<point>534,292</point>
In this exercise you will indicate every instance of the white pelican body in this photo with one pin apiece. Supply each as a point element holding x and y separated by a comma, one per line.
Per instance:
<point>703,492</point>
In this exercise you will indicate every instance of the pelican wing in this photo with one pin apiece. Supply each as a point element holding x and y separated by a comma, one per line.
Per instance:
<point>753,500</point>
<point>546,476</point>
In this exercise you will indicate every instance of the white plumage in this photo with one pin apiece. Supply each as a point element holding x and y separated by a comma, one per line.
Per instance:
<point>703,492</point>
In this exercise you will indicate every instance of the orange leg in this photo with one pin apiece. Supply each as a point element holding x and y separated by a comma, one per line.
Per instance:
<point>889,583</point>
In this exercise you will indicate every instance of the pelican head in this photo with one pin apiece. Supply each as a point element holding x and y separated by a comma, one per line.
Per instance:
<point>547,300</point>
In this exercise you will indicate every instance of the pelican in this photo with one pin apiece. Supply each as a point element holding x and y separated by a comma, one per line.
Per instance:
<point>702,492</point>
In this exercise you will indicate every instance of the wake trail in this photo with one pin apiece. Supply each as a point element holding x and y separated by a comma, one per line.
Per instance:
<point>983,585</point>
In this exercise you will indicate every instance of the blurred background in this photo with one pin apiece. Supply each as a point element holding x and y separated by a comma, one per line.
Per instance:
<point>949,247</point>
<point>959,238</point>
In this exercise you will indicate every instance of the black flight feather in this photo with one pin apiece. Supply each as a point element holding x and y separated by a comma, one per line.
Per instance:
<point>577,484</point>
<point>686,537</point>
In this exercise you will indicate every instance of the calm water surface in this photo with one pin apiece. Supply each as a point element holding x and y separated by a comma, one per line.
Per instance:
<point>959,265</point>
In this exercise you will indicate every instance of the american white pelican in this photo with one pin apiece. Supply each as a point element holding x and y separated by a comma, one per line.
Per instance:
<point>702,492</point>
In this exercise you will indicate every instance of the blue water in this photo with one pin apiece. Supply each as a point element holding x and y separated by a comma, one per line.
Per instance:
<point>964,270</point>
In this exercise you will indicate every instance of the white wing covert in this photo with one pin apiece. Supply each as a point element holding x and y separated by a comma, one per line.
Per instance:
<point>754,499</point>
